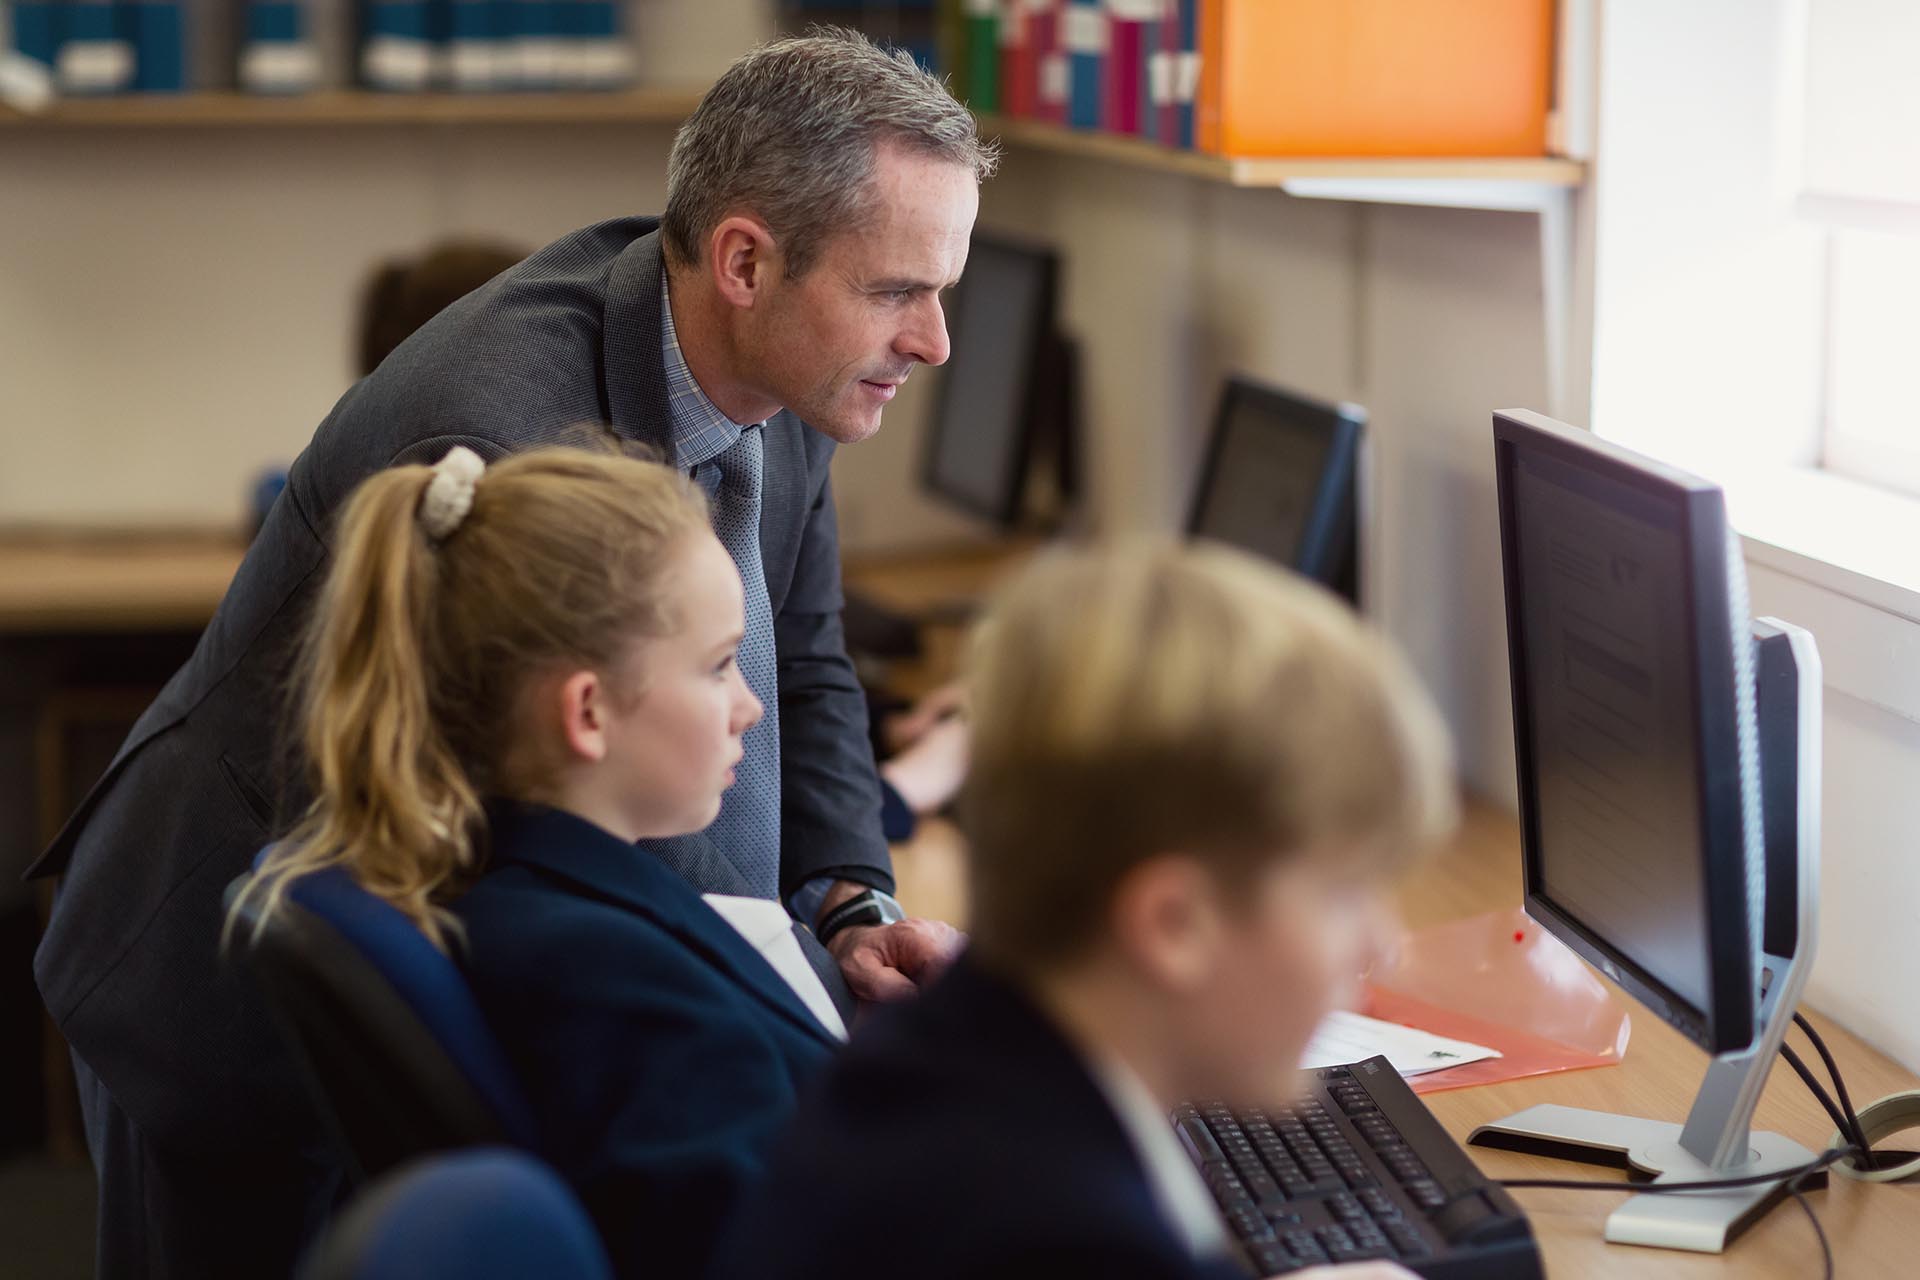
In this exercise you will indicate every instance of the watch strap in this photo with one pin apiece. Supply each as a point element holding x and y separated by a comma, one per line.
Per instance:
<point>872,906</point>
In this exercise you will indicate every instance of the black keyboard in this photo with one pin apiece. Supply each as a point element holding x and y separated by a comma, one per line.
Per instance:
<point>1358,1168</point>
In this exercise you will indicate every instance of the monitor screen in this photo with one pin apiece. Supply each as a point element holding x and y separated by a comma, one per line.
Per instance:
<point>1000,314</point>
<point>1626,719</point>
<point>1279,479</point>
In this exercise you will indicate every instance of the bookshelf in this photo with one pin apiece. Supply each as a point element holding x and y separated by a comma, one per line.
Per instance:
<point>348,107</point>
<point>1550,171</point>
<point>671,105</point>
<point>1544,186</point>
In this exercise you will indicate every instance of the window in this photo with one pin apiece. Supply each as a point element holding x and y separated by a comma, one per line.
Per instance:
<point>1860,180</point>
<point>1873,358</point>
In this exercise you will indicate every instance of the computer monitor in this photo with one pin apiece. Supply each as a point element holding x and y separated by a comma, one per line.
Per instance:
<point>1003,397</point>
<point>1281,479</point>
<point>1638,732</point>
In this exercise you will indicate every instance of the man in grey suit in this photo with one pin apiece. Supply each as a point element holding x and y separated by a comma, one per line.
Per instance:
<point>818,201</point>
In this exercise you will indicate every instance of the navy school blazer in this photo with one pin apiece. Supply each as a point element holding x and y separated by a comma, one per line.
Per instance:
<point>958,1136</point>
<point>661,1053</point>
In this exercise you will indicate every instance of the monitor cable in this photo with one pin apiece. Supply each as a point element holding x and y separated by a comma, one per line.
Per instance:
<point>1794,1177</point>
<point>1850,1134</point>
<point>1852,1128</point>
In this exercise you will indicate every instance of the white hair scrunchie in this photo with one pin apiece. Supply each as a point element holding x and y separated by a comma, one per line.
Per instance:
<point>449,494</point>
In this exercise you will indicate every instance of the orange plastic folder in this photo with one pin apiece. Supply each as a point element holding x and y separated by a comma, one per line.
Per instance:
<point>1375,77</point>
<point>1502,981</point>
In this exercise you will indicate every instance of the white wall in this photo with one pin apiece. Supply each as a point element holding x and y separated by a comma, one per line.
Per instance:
<point>1430,318</point>
<point>177,308</point>
<point>177,305</point>
<point>1869,879</point>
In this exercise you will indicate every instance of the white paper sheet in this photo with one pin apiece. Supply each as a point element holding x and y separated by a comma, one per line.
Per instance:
<point>1348,1037</point>
<point>768,927</point>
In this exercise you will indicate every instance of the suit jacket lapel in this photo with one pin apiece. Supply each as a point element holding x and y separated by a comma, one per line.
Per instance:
<point>635,373</point>
<point>782,501</point>
<point>573,849</point>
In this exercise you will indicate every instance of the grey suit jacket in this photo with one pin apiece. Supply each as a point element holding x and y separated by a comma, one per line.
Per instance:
<point>129,965</point>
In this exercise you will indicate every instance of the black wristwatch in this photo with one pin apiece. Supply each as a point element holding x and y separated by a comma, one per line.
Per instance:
<point>870,907</point>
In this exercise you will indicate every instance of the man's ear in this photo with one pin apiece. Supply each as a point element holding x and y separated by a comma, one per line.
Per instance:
<point>1166,919</point>
<point>581,699</point>
<point>743,258</point>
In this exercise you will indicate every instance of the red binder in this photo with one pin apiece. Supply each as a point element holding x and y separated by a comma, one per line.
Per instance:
<point>1126,52</point>
<point>1019,60</point>
<point>1050,63</point>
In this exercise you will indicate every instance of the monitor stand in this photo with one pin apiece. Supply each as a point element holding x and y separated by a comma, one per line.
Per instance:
<point>1716,1142</point>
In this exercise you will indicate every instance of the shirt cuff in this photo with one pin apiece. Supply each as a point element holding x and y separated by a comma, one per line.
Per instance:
<point>806,902</point>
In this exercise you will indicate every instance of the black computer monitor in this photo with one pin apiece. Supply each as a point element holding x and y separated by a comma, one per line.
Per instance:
<point>1633,723</point>
<point>1281,479</point>
<point>997,388</point>
<point>1639,747</point>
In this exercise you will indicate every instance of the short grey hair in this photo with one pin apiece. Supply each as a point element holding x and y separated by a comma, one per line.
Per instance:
<point>790,132</point>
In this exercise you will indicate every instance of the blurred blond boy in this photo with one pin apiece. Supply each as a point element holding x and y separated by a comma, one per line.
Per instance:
<point>1193,776</point>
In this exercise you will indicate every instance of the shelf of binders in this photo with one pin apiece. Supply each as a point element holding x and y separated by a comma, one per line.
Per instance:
<point>360,107</point>
<point>1284,173</point>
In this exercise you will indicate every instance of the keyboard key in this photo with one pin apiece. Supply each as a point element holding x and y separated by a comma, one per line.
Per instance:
<point>1199,1141</point>
<point>1346,1208</point>
<point>1406,1240</point>
<point>1426,1193</point>
<point>1377,1202</point>
<point>1333,1236</point>
<point>1304,1247</point>
<point>1272,1259</point>
<point>1359,1253</point>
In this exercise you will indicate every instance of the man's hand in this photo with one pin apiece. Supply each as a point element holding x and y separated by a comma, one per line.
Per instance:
<point>905,728</point>
<point>1357,1271</point>
<point>892,961</point>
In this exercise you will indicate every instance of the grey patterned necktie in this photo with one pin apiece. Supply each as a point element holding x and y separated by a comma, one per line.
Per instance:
<point>747,832</point>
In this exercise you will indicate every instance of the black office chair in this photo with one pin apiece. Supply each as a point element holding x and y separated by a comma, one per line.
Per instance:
<point>383,1023</point>
<point>485,1214</point>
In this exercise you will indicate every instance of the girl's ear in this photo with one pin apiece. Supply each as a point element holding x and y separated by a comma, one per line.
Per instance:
<point>581,700</point>
<point>1165,917</point>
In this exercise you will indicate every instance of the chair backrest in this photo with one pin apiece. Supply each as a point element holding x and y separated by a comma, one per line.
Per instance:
<point>475,1215</point>
<point>384,1023</point>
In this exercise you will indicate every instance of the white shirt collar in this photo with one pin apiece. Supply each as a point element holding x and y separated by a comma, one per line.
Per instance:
<point>1176,1185</point>
<point>769,930</point>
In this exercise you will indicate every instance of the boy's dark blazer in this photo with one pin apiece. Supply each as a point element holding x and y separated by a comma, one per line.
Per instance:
<point>958,1136</point>
<point>660,1051</point>
<point>200,1091</point>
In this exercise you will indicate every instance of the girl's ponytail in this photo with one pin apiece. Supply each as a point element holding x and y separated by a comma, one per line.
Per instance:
<point>392,798</point>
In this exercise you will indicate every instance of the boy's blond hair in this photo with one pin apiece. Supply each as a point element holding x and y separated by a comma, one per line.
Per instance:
<point>1146,699</point>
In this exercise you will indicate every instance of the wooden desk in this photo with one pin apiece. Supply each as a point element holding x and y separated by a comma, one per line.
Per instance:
<point>113,582</point>
<point>91,625</point>
<point>1875,1229</point>
<point>941,589</point>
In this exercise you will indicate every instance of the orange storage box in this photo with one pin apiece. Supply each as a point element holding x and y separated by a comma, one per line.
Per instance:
<point>1374,77</point>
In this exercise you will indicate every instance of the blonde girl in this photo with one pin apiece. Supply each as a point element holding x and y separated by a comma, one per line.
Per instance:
<point>512,674</point>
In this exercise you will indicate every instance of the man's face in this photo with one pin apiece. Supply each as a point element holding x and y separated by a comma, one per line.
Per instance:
<point>835,345</point>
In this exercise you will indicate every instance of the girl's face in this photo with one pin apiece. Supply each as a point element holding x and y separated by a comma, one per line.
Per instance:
<point>671,750</point>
